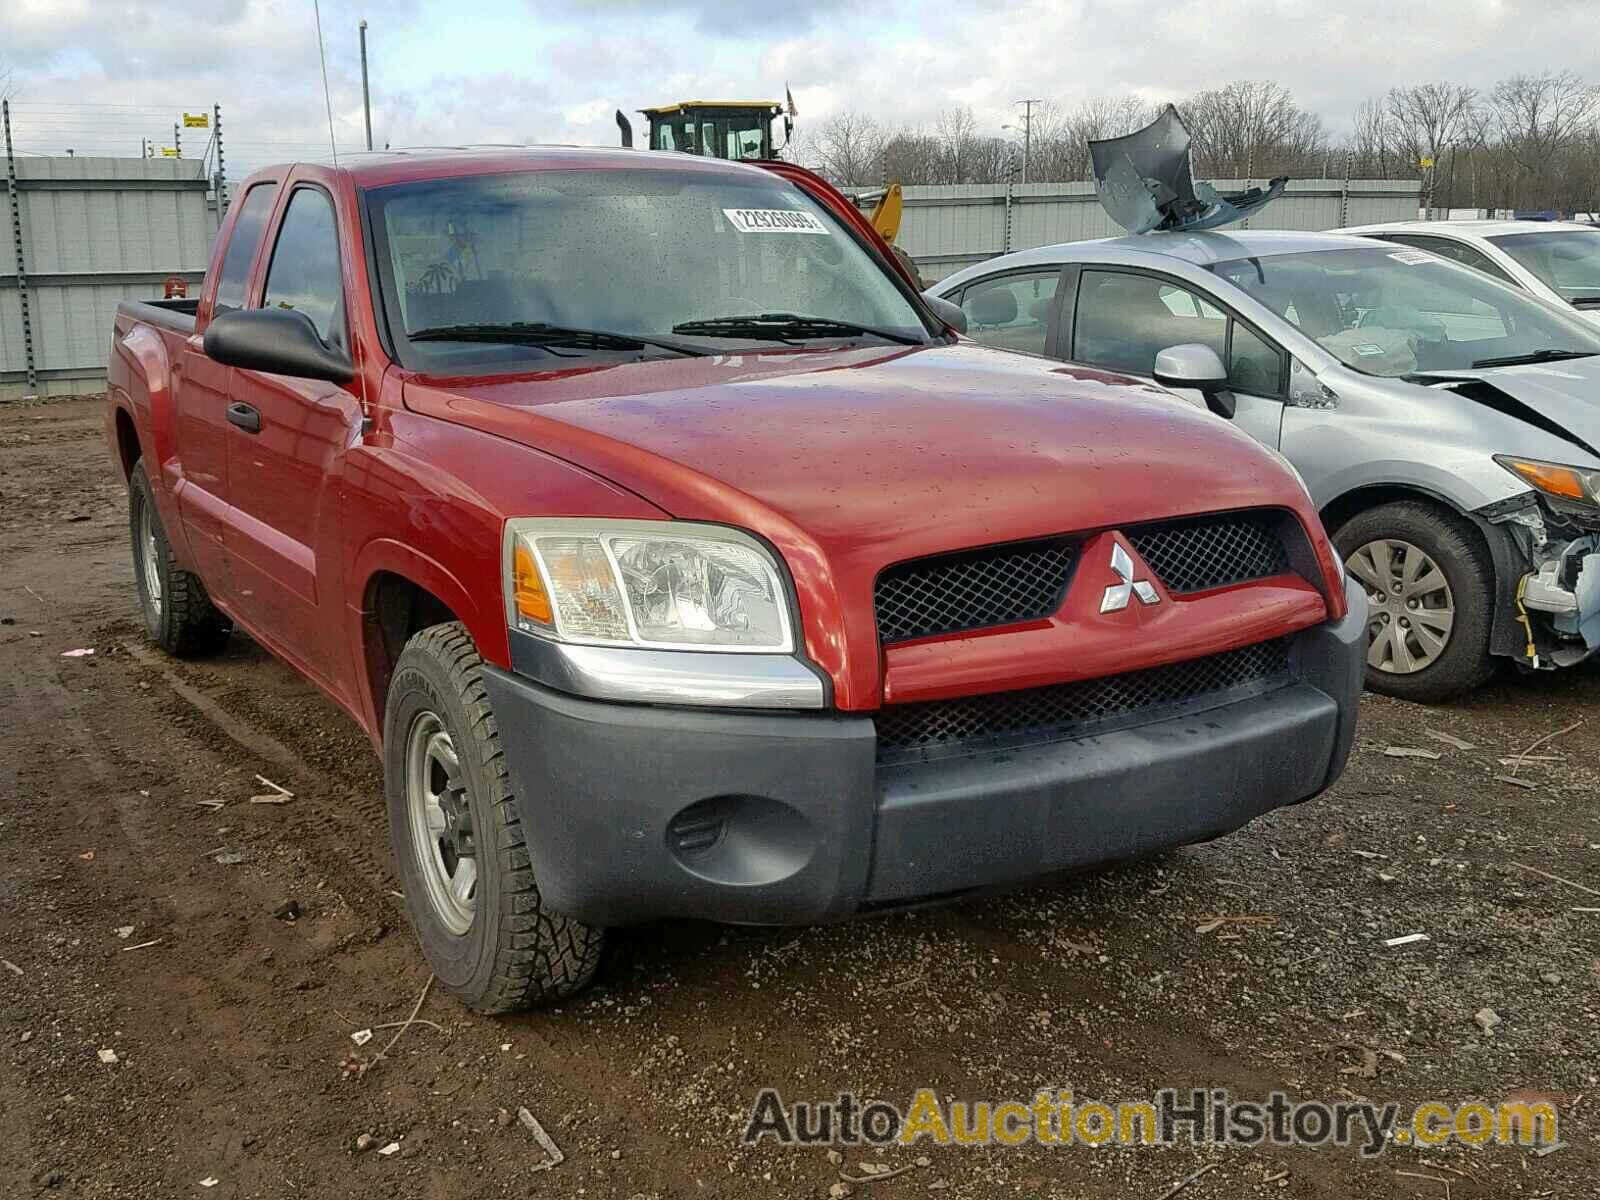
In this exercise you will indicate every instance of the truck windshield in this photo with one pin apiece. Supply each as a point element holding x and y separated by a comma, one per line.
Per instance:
<point>1398,311</point>
<point>656,254</point>
<point>1567,260</point>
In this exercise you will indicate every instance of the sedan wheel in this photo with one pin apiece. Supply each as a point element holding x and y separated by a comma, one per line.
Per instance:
<point>1413,610</point>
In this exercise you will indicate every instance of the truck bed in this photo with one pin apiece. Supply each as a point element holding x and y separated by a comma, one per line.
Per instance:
<point>177,315</point>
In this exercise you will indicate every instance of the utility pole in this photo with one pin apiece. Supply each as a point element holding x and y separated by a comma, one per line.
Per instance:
<point>366,96</point>
<point>222,176</point>
<point>1027,133</point>
<point>28,359</point>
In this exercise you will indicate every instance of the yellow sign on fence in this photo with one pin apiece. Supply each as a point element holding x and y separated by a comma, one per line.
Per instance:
<point>197,120</point>
<point>171,152</point>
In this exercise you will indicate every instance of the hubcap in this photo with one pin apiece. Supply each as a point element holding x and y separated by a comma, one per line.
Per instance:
<point>1412,608</point>
<point>149,557</point>
<point>441,822</point>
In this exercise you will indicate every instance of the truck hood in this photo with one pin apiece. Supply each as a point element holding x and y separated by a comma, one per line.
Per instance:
<point>849,460</point>
<point>1561,398</point>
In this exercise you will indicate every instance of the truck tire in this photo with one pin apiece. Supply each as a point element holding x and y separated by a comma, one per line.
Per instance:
<point>459,843</point>
<point>178,614</point>
<point>1430,582</point>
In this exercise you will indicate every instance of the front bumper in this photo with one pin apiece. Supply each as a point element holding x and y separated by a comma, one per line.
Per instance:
<point>635,812</point>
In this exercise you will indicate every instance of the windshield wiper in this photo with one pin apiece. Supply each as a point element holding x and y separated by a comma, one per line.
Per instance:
<point>783,327</point>
<point>1537,356</point>
<point>537,333</point>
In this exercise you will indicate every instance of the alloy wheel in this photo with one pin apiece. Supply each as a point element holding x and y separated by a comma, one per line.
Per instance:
<point>441,822</point>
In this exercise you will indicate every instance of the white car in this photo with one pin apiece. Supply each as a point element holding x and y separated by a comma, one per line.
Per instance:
<point>1555,260</point>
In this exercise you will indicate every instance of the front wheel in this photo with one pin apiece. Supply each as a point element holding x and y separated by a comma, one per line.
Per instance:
<point>1430,584</point>
<point>459,843</point>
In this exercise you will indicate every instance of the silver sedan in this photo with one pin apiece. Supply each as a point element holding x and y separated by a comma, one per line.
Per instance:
<point>1445,423</point>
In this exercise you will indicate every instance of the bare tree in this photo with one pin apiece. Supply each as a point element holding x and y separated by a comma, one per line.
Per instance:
<point>1537,118</point>
<point>957,129</point>
<point>8,86</point>
<point>849,147</point>
<point>1427,117</point>
<point>1253,127</point>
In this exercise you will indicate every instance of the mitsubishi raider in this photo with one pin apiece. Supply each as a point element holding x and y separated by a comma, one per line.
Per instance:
<point>680,560</point>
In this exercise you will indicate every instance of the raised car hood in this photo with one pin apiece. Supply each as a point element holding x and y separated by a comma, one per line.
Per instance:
<point>1562,398</point>
<point>1146,182</point>
<point>851,460</point>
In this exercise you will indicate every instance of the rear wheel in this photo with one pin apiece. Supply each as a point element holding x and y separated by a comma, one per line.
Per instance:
<point>1430,587</point>
<point>178,614</point>
<point>459,842</point>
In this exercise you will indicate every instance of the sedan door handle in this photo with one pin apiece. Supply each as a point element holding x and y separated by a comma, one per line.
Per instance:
<point>245,417</point>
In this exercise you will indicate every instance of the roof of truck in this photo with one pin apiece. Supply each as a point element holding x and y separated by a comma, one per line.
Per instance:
<point>1481,227</point>
<point>375,168</point>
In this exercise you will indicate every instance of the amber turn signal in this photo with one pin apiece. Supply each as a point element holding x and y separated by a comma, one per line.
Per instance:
<point>527,587</point>
<point>1549,478</point>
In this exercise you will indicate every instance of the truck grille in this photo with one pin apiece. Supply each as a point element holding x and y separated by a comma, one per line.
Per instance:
<point>1026,581</point>
<point>999,585</point>
<point>1209,552</point>
<point>1068,710</point>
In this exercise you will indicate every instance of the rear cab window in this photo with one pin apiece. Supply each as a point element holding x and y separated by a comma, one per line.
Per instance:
<point>243,241</point>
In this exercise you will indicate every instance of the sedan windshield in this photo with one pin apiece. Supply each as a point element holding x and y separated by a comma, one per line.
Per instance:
<point>1565,260</point>
<point>1393,311</point>
<point>483,271</point>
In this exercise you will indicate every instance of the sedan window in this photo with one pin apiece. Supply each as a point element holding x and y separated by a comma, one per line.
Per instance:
<point>1393,312</point>
<point>1467,256</point>
<point>1567,260</point>
<point>1124,320</point>
<point>1014,312</point>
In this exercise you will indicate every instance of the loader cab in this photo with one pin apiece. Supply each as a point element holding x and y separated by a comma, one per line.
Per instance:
<point>732,129</point>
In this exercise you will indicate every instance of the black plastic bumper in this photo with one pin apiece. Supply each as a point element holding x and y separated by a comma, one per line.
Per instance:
<point>636,812</point>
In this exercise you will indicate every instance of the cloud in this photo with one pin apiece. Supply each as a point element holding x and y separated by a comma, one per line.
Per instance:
<point>502,70</point>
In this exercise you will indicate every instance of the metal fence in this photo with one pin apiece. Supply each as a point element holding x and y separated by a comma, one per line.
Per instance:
<point>81,234</point>
<point>950,227</point>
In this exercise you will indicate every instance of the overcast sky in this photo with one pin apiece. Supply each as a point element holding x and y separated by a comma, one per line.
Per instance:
<point>549,70</point>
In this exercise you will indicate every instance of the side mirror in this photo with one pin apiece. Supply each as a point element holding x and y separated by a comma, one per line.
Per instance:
<point>279,341</point>
<point>1198,368</point>
<point>951,314</point>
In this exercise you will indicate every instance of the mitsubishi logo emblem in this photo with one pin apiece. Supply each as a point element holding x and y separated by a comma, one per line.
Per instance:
<point>1118,594</point>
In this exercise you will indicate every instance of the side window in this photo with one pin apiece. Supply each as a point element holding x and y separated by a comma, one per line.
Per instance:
<point>1124,321</point>
<point>1255,365</point>
<point>305,273</point>
<point>242,243</point>
<point>1013,312</point>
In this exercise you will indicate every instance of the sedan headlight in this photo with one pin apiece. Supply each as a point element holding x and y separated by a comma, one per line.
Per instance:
<point>1575,485</point>
<point>660,584</point>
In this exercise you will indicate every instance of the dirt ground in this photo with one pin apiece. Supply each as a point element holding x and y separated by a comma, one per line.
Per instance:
<point>122,931</point>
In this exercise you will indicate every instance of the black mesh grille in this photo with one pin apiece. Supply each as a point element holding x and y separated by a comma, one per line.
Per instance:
<point>999,585</point>
<point>1070,709</point>
<point>1209,552</point>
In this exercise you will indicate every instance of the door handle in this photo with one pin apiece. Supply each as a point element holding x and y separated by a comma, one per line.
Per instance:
<point>245,417</point>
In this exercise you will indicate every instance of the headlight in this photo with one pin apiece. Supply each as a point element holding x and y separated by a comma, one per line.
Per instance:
<point>1575,485</point>
<point>661,584</point>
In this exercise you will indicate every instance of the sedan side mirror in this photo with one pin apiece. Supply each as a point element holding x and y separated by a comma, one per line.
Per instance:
<point>279,341</point>
<point>1198,368</point>
<point>950,313</point>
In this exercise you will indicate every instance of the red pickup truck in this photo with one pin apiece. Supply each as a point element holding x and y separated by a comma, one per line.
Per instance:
<point>681,560</point>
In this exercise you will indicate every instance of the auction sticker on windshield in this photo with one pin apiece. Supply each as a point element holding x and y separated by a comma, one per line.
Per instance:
<point>1413,258</point>
<point>773,220</point>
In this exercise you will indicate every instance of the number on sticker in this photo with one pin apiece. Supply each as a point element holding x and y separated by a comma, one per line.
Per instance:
<point>773,220</point>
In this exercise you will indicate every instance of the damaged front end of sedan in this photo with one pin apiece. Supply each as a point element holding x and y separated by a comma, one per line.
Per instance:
<point>1555,536</point>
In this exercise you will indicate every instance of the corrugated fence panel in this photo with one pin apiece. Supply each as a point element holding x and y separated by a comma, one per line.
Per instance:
<point>95,231</point>
<point>948,228</point>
